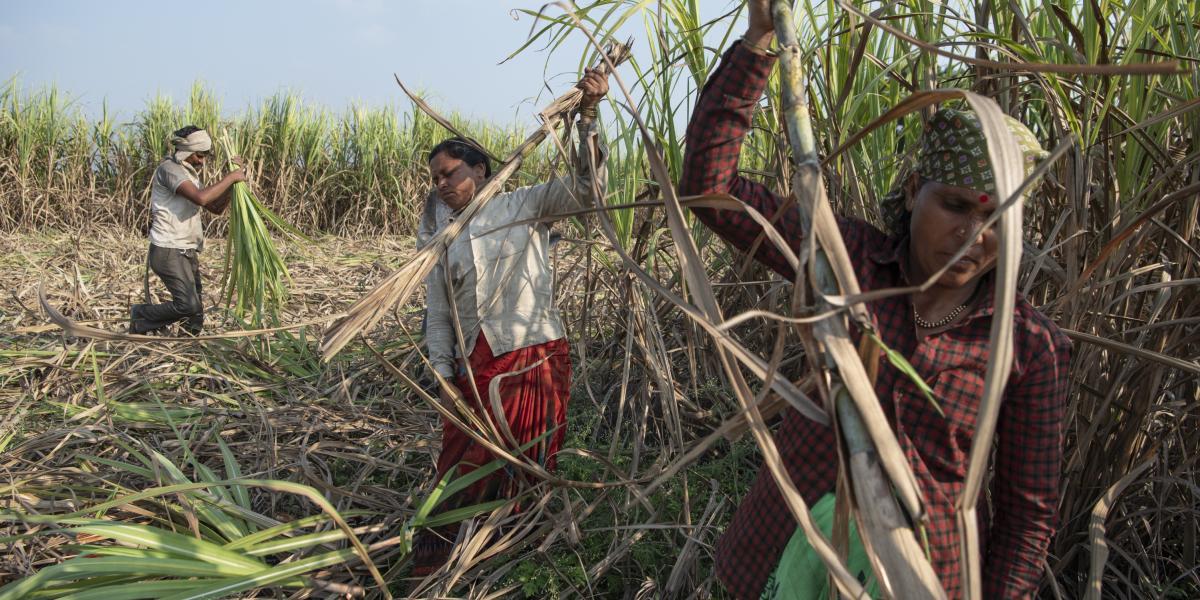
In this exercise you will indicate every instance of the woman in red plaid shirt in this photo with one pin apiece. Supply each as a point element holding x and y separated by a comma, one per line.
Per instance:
<point>943,332</point>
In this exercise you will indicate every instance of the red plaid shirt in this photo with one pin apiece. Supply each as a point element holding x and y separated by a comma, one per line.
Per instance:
<point>1026,464</point>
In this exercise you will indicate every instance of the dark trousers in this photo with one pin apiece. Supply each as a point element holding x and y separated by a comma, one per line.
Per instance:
<point>180,271</point>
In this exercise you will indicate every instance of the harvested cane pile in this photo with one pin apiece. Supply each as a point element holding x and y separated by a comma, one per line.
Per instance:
<point>254,272</point>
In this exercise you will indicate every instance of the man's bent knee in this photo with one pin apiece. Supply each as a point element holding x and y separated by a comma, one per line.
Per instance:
<point>187,307</point>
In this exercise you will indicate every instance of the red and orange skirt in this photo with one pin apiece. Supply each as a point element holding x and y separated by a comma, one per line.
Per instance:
<point>535,388</point>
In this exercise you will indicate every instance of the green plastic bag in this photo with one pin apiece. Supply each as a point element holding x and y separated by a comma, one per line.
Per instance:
<point>800,574</point>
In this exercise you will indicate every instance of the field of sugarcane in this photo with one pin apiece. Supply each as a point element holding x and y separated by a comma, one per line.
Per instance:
<point>250,464</point>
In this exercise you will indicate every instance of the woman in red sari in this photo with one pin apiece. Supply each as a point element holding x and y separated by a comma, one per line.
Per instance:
<point>491,315</point>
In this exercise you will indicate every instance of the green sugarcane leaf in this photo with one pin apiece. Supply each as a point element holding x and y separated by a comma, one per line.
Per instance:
<point>461,514</point>
<point>207,474</point>
<point>256,271</point>
<point>218,519</point>
<point>287,528</point>
<point>232,471</point>
<point>118,465</point>
<point>124,551</point>
<point>60,590</point>
<point>266,577</point>
<point>140,590</point>
<point>145,412</point>
<point>174,473</point>
<point>174,543</point>
<point>448,487</point>
<point>897,360</point>
<point>295,543</point>
<point>144,567</point>
<point>230,526</point>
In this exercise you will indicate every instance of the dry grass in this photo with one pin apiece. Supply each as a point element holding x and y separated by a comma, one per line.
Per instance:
<point>347,429</point>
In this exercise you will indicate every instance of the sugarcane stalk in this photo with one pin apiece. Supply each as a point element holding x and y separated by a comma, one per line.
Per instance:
<point>833,258</point>
<point>872,446</point>
<point>705,301</point>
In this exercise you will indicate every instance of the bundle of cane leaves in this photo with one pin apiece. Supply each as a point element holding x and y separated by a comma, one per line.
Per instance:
<point>254,271</point>
<point>137,551</point>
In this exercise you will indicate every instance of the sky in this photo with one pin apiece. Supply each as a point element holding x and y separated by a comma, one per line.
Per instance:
<point>331,52</point>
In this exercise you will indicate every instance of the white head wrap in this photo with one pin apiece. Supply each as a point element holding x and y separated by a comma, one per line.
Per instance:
<point>197,141</point>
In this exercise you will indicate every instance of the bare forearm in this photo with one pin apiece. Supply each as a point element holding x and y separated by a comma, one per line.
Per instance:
<point>215,198</point>
<point>757,39</point>
<point>761,30</point>
<point>223,202</point>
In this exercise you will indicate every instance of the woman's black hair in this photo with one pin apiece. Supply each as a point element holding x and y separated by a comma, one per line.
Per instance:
<point>464,149</point>
<point>186,131</point>
<point>893,207</point>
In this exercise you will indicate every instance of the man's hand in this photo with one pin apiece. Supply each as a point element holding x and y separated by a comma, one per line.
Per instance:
<point>594,85</point>
<point>241,173</point>
<point>761,30</point>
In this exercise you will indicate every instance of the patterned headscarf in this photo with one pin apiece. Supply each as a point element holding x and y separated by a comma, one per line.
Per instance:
<point>954,152</point>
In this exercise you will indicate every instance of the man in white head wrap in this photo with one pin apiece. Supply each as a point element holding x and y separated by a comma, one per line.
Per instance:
<point>177,233</point>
